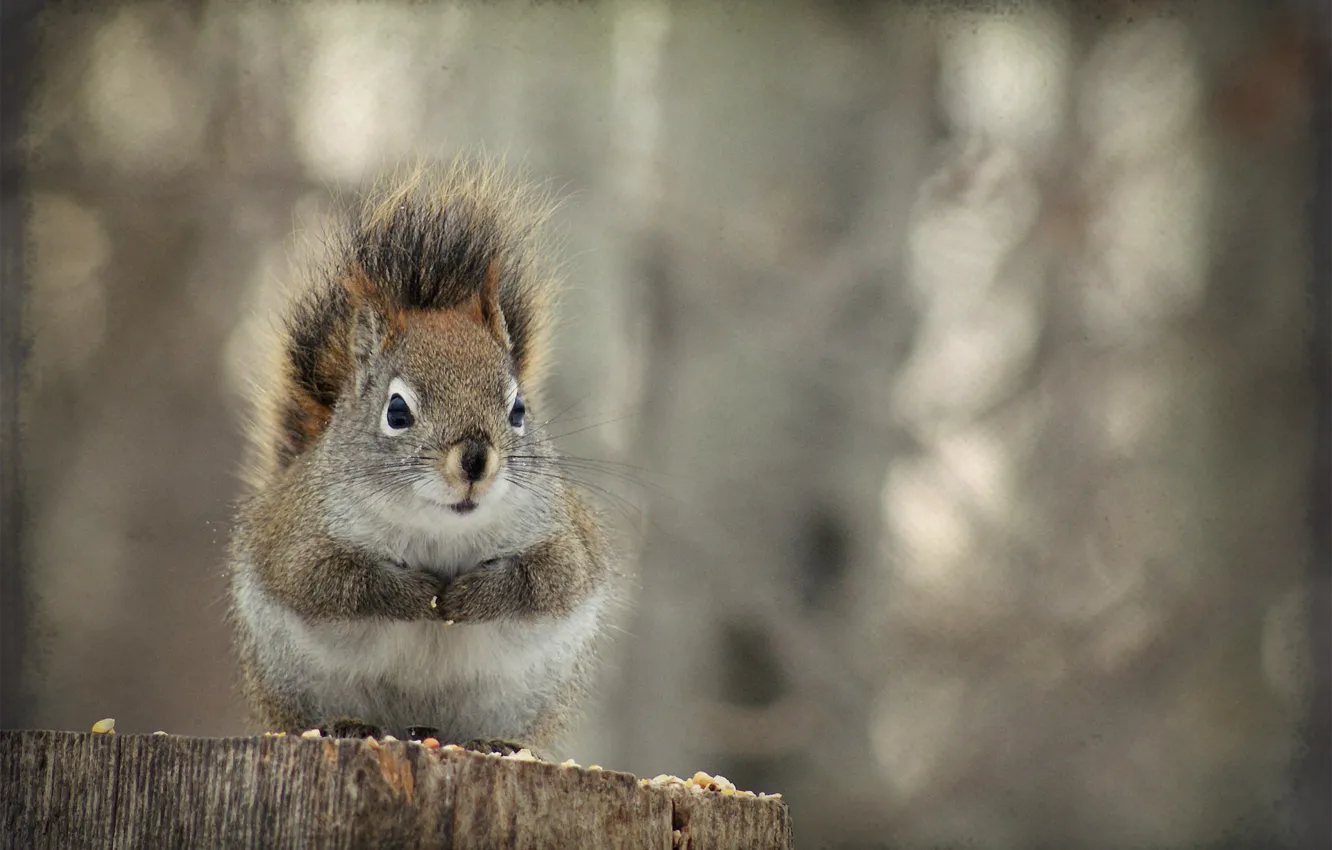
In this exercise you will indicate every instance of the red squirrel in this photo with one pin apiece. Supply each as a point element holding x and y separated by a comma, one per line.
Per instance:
<point>408,554</point>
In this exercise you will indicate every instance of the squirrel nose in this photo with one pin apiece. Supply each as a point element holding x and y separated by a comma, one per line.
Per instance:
<point>469,462</point>
<point>474,460</point>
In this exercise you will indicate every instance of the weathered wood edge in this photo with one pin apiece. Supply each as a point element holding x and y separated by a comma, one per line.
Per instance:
<point>77,789</point>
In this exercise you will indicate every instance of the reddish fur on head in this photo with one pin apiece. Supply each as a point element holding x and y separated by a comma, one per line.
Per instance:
<point>462,240</point>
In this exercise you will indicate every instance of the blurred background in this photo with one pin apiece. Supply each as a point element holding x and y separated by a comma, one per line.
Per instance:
<point>959,355</point>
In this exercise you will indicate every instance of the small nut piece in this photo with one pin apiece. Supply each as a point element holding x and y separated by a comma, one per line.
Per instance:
<point>106,726</point>
<point>701,782</point>
<point>311,733</point>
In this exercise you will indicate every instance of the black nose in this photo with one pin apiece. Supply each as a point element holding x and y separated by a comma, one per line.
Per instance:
<point>474,460</point>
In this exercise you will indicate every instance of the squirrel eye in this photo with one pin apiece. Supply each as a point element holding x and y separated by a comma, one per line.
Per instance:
<point>399,414</point>
<point>517,413</point>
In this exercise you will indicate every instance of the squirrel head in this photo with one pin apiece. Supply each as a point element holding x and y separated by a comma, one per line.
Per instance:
<point>434,406</point>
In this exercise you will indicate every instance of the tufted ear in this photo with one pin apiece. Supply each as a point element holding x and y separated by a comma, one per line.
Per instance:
<point>372,326</point>
<point>484,305</point>
<point>369,331</point>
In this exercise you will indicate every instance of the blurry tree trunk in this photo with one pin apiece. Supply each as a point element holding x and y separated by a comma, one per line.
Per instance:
<point>162,348</point>
<point>1098,561</point>
<point>769,280</point>
<point>644,694</point>
<point>17,71</point>
<point>1315,781</point>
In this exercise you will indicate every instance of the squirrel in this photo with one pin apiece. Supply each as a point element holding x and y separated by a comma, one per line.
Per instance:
<point>408,559</point>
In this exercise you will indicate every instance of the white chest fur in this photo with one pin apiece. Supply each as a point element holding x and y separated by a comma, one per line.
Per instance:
<point>468,680</point>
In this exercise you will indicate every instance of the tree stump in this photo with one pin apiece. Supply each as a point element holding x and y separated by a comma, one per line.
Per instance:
<point>73,790</point>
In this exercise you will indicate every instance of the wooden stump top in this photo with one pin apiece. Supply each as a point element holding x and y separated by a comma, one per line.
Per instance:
<point>72,790</point>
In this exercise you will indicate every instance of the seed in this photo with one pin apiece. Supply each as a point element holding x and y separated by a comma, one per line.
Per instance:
<point>105,727</point>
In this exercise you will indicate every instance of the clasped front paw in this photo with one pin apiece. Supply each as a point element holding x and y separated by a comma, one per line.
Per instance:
<point>443,608</point>
<point>482,594</point>
<point>450,605</point>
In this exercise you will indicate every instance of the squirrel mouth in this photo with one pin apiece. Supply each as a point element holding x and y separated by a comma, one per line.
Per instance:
<point>466,506</point>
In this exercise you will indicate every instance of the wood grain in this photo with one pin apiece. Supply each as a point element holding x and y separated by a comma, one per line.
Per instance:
<point>73,790</point>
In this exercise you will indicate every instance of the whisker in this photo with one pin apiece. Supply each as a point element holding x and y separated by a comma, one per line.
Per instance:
<point>601,461</point>
<point>526,441</point>
<point>616,499</point>
<point>613,475</point>
<point>592,467</point>
<point>564,411</point>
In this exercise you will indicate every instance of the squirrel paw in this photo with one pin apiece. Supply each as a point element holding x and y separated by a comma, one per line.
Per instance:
<point>350,727</point>
<point>500,746</point>
<point>476,596</point>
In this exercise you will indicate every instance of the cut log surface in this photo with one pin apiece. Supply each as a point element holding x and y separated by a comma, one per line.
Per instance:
<point>74,790</point>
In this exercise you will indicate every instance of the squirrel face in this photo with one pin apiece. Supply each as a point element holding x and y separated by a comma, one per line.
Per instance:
<point>435,408</point>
